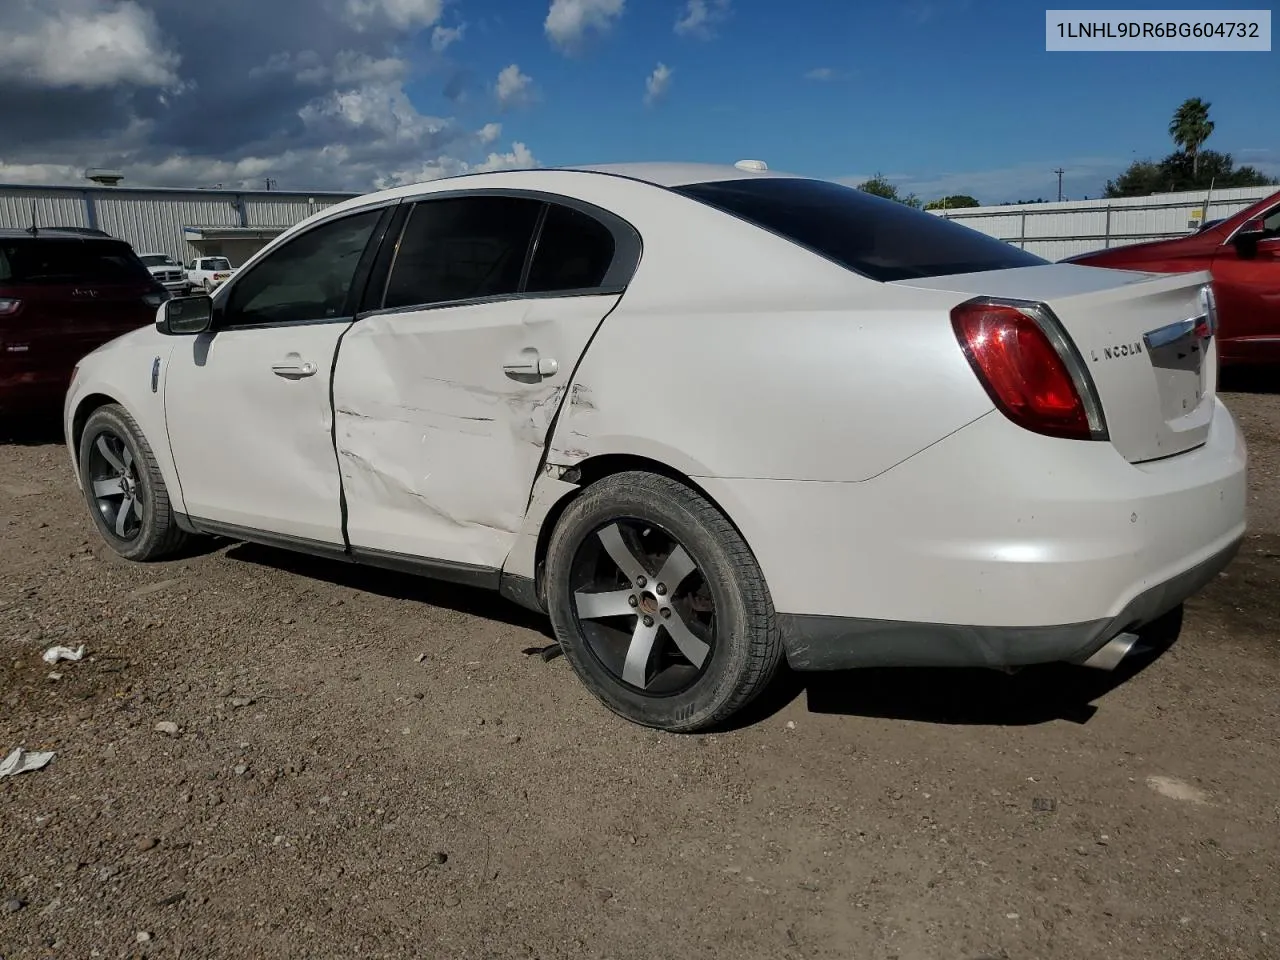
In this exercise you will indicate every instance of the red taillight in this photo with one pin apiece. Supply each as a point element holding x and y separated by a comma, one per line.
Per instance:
<point>8,306</point>
<point>1025,374</point>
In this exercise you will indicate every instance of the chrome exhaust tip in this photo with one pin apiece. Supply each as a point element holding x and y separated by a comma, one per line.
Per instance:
<point>1108,657</point>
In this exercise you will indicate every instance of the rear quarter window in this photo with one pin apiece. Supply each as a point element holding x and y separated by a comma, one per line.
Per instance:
<point>69,261</point>
<point>878,238</point>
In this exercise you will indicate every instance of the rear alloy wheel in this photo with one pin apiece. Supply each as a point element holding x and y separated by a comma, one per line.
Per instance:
<point>125,491</point>
<point>659,605</point>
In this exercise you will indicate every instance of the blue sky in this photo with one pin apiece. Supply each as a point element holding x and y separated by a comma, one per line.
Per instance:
<point>951,95</point>
<point>941,96</point>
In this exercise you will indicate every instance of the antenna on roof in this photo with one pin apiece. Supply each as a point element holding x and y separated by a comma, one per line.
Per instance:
<point>758,166</point>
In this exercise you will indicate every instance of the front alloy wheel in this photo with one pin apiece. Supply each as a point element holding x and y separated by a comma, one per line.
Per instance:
<point>117,494</point>
<point>124,488</point>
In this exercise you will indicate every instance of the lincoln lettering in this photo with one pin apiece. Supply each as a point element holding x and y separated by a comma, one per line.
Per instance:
<point>1113,352</point>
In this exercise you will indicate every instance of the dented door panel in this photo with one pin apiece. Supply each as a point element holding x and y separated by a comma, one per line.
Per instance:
<point>439,433</point>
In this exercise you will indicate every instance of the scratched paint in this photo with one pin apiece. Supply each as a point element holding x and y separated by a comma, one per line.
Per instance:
<point>438,444</point>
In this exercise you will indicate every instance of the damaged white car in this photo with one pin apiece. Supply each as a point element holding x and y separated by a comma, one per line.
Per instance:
<point>707,418</point>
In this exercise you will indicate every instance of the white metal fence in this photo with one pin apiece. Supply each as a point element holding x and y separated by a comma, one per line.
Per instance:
<point>1057,230</point>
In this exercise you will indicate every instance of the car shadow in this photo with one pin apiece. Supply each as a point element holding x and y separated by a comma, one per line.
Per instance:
<point>1248,380</point>
<point>953,696</point>
<point>962,696</point>
<point>394,585</point>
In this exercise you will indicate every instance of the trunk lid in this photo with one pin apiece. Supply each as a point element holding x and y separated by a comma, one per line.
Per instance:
<point>1143,341</point>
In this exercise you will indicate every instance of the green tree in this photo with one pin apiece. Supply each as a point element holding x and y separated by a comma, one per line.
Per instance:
<point>878,186</point>
<point>1179,171</point>
<point>1141,179</point>
<point>952,202</point>
<point>1190,128</point>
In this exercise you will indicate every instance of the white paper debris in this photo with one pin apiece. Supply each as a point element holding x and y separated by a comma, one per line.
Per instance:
<point>22,761</point>
<point>54,654</point>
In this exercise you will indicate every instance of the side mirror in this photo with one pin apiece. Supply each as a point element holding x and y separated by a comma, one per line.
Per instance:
<point>1246,238</point>
<point>184,316</point>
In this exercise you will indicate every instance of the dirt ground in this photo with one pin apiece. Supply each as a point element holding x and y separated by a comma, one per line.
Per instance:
<point>369,765</point>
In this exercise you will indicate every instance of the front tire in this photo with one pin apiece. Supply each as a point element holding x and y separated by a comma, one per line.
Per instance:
<point>124,488</point>
<point>659,605</point>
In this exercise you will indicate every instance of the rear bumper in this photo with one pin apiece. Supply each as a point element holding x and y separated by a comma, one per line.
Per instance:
<point>994,546</point>
<point>842,643</point>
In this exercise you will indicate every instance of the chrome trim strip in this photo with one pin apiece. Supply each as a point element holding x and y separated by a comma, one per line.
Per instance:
<point>1173,332</point>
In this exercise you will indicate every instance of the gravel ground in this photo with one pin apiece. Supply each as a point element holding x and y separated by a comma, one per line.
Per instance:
<point>367,765</point>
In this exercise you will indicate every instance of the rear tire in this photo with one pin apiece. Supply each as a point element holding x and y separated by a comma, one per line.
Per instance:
<point>683,655</point>
<point>124,488</point>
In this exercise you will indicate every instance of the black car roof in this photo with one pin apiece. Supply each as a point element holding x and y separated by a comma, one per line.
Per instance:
<point>55,233</point>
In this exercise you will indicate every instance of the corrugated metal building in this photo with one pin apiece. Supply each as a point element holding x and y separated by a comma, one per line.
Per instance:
<point>1057,230</point>
<point>182,223</point>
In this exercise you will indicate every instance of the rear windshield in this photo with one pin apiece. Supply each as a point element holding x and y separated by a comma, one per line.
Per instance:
<point>69,261</point>
<point>878,238</point>
<point>217,263</point>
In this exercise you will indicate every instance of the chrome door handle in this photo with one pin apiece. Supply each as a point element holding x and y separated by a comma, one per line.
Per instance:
<point>532,366</point>
<point>294,371</point>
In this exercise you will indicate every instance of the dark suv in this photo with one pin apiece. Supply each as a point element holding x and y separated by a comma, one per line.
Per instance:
<point>63,293</point>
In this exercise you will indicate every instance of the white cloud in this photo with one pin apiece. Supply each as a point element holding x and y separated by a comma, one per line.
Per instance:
<point>443,37</point>
<point>400,14</point>
<point>518,158</point>
<point>311,93</point>
<point>699,18</point>
<point>657,84</point>
<point>348,68</point>
<point>382,109</point>
<point>570,21</point>
<point>513,88</point>
<point>44,173</point>
<point>90,44</point>
<point>826,74</point>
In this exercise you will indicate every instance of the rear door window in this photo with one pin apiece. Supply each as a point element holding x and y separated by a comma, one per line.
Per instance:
<point>462,248</point>
<point>878,238</point>
<point>574,252</point>
<point>57,261</point>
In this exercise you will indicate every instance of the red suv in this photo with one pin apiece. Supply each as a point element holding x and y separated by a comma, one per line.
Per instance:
<point>63,293</point>
<point>1243,254</point>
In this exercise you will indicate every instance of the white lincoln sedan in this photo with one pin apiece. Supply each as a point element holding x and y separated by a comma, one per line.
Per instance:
<point>706,418</point>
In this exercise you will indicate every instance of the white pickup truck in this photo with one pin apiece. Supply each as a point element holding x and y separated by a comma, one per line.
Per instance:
<point>209,273</point>
<point>168,271</point>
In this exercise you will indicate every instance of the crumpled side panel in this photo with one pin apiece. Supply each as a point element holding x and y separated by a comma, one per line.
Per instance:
<point>438,446</point>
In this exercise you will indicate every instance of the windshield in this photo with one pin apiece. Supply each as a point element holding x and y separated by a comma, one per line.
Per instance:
<point>70,261</point>
<point>217,263</point>
<point>881,239</point>
<point>158,260</point>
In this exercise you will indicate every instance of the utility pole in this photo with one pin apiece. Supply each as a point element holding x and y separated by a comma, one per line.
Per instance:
<point>1059,172</point>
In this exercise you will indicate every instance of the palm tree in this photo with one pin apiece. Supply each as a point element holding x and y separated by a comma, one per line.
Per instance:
<point>1190,128</point>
